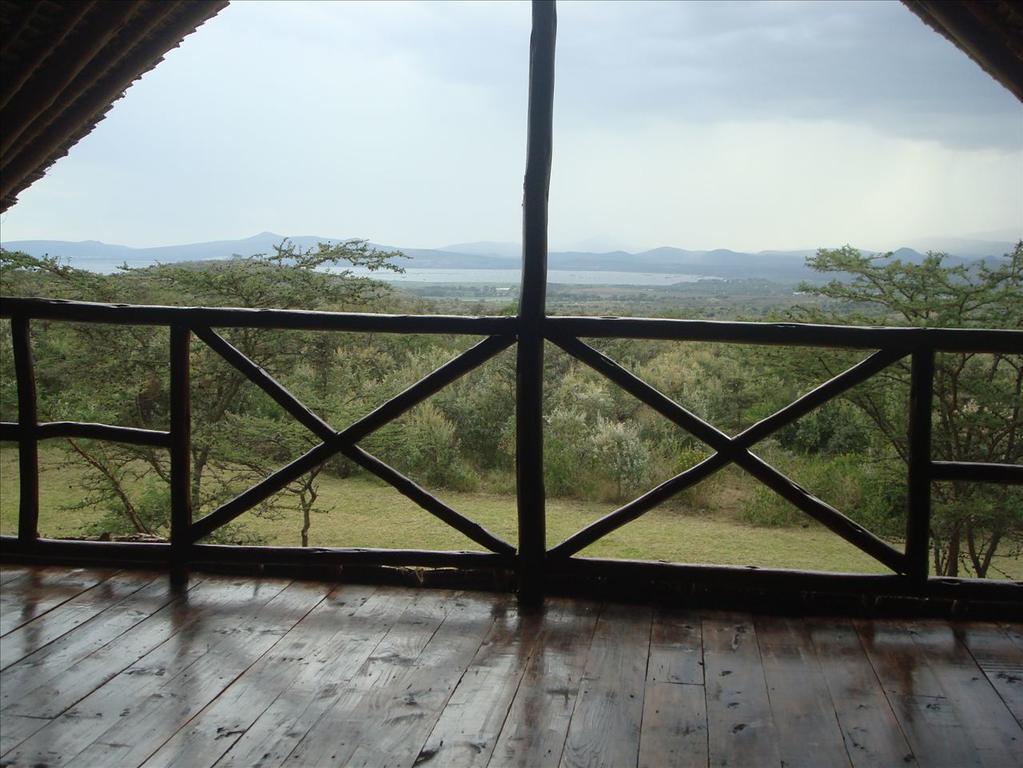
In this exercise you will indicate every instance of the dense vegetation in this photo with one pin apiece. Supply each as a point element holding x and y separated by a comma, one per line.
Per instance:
<point>600,444</point>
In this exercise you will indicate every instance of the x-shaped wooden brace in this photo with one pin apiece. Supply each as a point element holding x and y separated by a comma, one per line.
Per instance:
<point>344,441</point>
<point>732,450</point>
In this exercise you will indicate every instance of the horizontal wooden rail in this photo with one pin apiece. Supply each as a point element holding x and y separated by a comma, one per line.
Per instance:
<point>977,472</point>
<point>723,578</point>
<point>123,552</point>
<point>785,334</point>
<point>47,430</point>
<point>284,319</point>
<point>789,334</point>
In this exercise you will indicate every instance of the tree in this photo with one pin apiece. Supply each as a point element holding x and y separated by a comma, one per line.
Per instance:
<point>978,398</point>
<point>78,363</point>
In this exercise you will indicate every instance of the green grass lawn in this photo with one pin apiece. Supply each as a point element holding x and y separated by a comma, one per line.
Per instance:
<point>365,513</point>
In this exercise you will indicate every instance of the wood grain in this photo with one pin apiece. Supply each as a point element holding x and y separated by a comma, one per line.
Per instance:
<point>741,731</point>
<point>871,732</point>
<point>129,670</point>
<point>608,714</point>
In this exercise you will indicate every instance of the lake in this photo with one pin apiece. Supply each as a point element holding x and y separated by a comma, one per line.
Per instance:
<point>500,277</point>
<point>511,277</point>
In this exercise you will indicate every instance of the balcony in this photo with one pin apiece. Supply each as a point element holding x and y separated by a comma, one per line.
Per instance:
<point>527,653</point>
<point>105,667</point>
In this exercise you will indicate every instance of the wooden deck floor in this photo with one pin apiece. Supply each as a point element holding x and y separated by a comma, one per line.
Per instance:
<point>103,668</point>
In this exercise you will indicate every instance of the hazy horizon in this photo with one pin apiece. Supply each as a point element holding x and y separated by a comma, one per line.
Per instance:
<point>511,248</point>
<point>763,126</point>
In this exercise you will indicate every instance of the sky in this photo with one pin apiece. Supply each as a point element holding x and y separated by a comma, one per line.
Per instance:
<point>752,126</point>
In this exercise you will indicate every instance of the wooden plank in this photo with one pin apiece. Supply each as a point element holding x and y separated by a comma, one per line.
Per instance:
<point>676,647</point>
<point>44,590</point>
<point>987,723</point>
<point>126,729</point>
<point>801,705</point>
<point>1015,633</point>
<point>274,735</point>
<point>89,675</point>
<point>17,728</point>
<point>932,727</point>
<point>335,735</point>
<point>466,733</point>
<point>538,720</point>
<point>153,720</point>
<point>10,573</point>
<point>58,657</point>
<point>177,633</point>
<point>674,726</point>
<point>1000,659</point>
<point>871,732</point>
<point>740,730</point>
<point>31,637</point>
<point>390,724</point>
<point>605,725</point>
<point>674,732</point>
<point>208,735</point>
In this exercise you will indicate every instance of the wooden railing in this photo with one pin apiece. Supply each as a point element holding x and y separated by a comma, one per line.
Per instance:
<point>536,567</point>
<point>909,565</point>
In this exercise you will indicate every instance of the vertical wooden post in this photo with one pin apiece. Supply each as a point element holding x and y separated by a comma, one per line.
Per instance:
<point>180,448</point>
<point>28,445</point>
<point>918,520</point>
<point>532,305</point>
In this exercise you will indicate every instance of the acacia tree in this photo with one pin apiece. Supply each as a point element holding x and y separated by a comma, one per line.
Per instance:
<point>119,375</point>
<point>978,398</point>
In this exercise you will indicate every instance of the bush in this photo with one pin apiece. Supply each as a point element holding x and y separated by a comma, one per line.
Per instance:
<point>867,492</point>
<point>432,452</point>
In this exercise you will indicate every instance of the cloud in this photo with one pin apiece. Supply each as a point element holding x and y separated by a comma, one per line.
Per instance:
<point>752,125</point>
<point>870,63</point>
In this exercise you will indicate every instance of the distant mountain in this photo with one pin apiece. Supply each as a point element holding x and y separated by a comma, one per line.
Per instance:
<point>781,266</point>
<point>487,248</point>
<point>965,247</point>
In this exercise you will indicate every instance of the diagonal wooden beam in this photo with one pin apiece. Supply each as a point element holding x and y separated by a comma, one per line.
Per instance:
<point>388,411</point>
<point>259,376</point>
<point>428,501</point>
<point>646,394</point>
<point>637,507</point>
<point>818,396</point>
<point>792,492</point>
<point>429,385</point>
